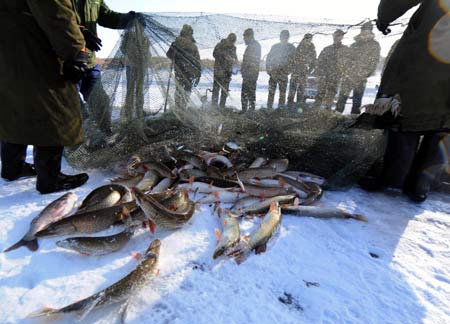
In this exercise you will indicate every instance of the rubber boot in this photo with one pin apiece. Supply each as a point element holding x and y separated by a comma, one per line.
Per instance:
<point>429,165</point>
<point>47,161</point>
<point>13,162</point>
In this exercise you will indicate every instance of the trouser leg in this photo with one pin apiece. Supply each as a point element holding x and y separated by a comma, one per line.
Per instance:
<point>282,82</point>
<point>216,91</point>
<point>47,161</point>
<point>245,94</point>
<point>398,158</point>
<point>140,100</point>
<point>346,88</point>
<point>301,91</point>
<point>331,91</point>
<point>126,112</point>
<point>13,157</point>
<point>252,94</point>
<point>358,94</point>
<point>321,92</point>
<point>272,89</point>
<point>224,93</point>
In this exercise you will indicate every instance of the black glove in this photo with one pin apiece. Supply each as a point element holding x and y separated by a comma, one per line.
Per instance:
<point>92,41</point>
<point>75,69</point>
<point>383,27</point>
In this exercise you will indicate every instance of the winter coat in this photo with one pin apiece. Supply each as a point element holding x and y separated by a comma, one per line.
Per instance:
<point>279,59</point>
<point>89,13</point>
<point>225,56</point>
<point>419,68</point>
<point>364,56</point>
<point>332,61</point>
<point>303,61</point>
<point>184,54</point>
<point>38,106</point>
<point>251,61</point>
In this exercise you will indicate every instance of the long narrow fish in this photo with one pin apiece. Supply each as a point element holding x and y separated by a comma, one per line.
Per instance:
<point>190,158</point>
<point>258,239</point>
<point>158,167</point>
<point>264,206</point>
<point>128,181</point>
<point>185,175</point>
<point>54,212</point>
<point>149,180</point>
<point>280,165</point>
<point>89,222</point>
<point>202,187</point>
<point>119,292</point>
<point>305,176</point>
<point>217,160</point>
<point>162,186</point>
<point>318,212</point>
<point>173,214</point>
<point>104,197</point>
<point>218,182</point>
<point>230,236</point>
<point>260,173</point>
<point>222,197</point>
<point>266,191</point>
<point>96,246</point>
<point>259,162</point>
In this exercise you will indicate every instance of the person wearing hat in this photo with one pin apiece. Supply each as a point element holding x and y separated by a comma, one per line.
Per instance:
<point>225,57</point>
<point>250,70</point>
<point>413,101</point>
<point>183,53</point>
<point>329,71</point>
<point>303,63</point>
<point>278,66</point>
<point>364,56</point>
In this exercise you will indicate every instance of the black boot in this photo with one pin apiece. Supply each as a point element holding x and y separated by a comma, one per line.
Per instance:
<point>428,167</point>
<point>49,177</point>
<point>13,162</point>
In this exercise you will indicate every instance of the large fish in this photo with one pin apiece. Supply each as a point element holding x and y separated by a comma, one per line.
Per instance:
<point>89,222</point>
<point>54,212</point>
<point>230,236</point>
<point>104,197</point>
<point>222,196</point>
<point>97,246</point>
<point>318,212</point>
<point>119,292</point>
<point>149,180</point>
<point>262,206</point>
<point>172,213</point>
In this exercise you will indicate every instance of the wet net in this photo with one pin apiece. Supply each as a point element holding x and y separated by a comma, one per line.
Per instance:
<point>143,106</point>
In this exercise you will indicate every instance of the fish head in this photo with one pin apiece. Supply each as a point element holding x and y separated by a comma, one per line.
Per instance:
<point>154,247</point>
<point>70,197</point>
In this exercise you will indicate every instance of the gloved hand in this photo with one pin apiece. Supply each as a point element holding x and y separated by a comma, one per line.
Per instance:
<point>383,27</point>
<point>195,81</point>
<point>138,16</point>
<point>92,41</point>
<point>75,69</point>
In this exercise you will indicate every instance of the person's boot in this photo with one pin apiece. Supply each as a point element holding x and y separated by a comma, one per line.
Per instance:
<point>13,162</point>
<point>429,165</point>
<point>49,176</point>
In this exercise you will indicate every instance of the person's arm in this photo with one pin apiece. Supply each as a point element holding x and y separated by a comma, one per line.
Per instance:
<point>390,10</point>
<point>58,21</point>
<point>171,52</point>
<point>114,20</point>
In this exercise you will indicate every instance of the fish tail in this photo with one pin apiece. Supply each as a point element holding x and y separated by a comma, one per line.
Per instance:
<point>360,218</point>
<point>31,245</point>
<point>46,311</point>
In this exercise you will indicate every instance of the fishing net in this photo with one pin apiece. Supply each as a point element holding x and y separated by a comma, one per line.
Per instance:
<point>135,108</point>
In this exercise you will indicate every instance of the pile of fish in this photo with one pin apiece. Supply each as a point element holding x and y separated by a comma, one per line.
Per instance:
<point>262,188</point>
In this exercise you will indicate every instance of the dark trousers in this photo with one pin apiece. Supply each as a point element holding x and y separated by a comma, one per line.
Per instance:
<point>47,162</point>
<point>248,94</point>
<point>99,103</point>
<point>297,86</point>
<point>327,88</point>
<point>280,80</point>
<point>358,93</point>
<point>221,87</point>
<point>134,100</point>
<point>183,91</point>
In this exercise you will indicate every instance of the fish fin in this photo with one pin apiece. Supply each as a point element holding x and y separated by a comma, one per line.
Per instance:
<point>158,272</point>
<point>20,244</point>
<point>136,255</point>
<point>359,217</point>
<point>86,309</point>
<point>46,311</point>
<point>191,180</point>
<point>210,185</point>
<point>216,194</point>
<point>281,182</point>
<point>261,249</point>
<point>273,205</point>
<point>246,238</point>
<point>152,226</point>
<point>296,202</point>
<point>218,252</point>
<point>124,214</point>
<point>218,235</point>
<point>225,222</point>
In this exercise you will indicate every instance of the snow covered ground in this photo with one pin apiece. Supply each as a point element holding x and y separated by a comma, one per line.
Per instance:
<point>393,269</point>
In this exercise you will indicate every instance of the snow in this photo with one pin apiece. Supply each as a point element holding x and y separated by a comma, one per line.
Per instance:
<point>393,269</point>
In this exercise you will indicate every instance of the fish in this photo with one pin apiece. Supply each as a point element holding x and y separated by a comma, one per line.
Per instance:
<point>230,236</point>
<point>162,186</point>
<point>258,238</point>
<point>319,212</point>
<point>172,213</point>
<point>127,181</point>
<point>158,167</point>
<point>149,180</point>
<point>132,165</point>
<point>260,173</point>
<point>202,187</point>
<point>301,188</point>
<point>280,165</point>
<point>54,212</point>
<point>185,175</point>
<point>266,191</point>
<point>222,197</point>
<point>104,197</point>
<point>264,205</point>
<point>315,194</point>
<point>89,222</point>
<point>215,159</point>
<point>218,182</point>
<point>190,158</point>
<point>308,177</point>
<point>258,163</point>
<point>97,246</point>
<point>118,292</point>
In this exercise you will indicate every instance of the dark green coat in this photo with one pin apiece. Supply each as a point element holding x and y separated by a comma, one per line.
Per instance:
<point>92,12</point>
<point>184,54</point>
<point>38,106</point>
<point>421,78</point>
